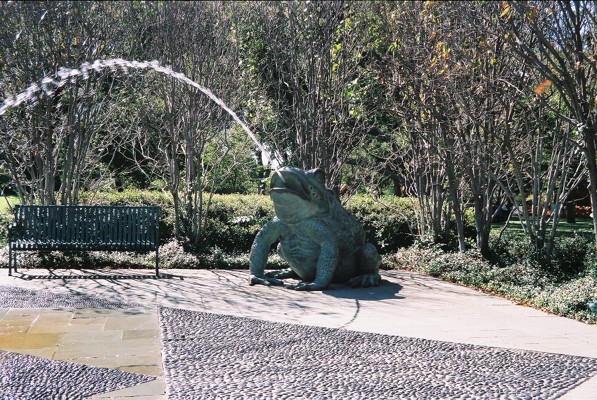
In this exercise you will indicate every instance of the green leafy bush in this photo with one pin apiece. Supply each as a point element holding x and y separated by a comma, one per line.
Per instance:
<point>571,256</point>
<point>172,255</point>
<point>512,249</point>
<point>388,222</point>
<point>132,197</point>
<point>80,260</point>
<point>5,220</point>
<point>468,268</point>
<point>234,220</point>
<point>570,299</point>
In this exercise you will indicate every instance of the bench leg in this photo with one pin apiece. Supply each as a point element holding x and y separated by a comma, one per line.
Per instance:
<point>9,260</point>
<point>14,260</point>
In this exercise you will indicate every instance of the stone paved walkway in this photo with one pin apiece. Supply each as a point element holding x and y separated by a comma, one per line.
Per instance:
<point>118,321</point>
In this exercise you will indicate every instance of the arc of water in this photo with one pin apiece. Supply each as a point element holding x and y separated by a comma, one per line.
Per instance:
<point>64,75</point>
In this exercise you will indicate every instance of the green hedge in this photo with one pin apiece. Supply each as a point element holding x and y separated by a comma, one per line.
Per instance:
<point>234,220</point>
<point>388,222</point>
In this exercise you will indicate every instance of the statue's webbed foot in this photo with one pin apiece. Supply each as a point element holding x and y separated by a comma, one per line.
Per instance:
<point>307,286</point>
<point>366,280</point>
<point>263,280</point>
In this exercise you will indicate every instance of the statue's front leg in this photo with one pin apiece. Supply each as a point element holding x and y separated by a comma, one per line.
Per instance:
<point>259,252</point>
<point>287,273</point>
<point>267,281</point>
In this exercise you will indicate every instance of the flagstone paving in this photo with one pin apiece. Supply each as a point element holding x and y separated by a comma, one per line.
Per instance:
<point>259,339</point>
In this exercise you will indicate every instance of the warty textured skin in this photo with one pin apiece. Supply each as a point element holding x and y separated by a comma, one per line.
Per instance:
<point>321,241</point>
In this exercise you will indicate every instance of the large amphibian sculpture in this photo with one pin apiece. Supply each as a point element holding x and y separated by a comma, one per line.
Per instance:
<point>320,240</point>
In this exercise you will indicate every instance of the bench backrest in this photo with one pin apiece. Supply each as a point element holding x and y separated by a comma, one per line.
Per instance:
<point>88,224</point>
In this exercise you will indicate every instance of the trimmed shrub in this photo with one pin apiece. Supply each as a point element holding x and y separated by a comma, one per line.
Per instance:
<point>512,249</point>
<point>571,256</point>
<point>388,223</point>
<point>234,220</point>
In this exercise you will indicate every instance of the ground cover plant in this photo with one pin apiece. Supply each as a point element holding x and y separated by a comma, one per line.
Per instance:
<point>566,285</point>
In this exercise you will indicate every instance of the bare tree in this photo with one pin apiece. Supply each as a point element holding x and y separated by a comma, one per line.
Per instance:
<point>46,143</point>
<point>462,98</point>
<point>539,162</point>
<point>183,136</point>
<point>305,57</point>
<point>419,91</point>
<point>557,39</point>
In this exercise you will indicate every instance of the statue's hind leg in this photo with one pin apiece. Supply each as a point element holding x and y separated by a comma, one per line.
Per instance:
<point>369,262</point>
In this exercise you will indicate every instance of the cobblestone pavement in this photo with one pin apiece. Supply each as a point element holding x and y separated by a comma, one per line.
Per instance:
<point>28,377</point>
<point>207,334</point>
<point>210,356</point>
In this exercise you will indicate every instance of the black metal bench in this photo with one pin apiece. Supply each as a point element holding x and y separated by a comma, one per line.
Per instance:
<point>83,228</point>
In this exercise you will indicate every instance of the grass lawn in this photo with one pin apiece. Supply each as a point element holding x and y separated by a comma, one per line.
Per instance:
<point>580,227</point>
<point>5,201</point>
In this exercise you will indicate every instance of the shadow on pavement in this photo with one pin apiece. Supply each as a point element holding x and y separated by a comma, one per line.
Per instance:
<point>95,275</point>
<point>385,291</point>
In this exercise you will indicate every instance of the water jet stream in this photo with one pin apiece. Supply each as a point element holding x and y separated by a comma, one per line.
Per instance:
<point>48,85</point>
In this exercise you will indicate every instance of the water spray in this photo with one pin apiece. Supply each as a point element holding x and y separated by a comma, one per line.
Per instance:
<point>48,86</point>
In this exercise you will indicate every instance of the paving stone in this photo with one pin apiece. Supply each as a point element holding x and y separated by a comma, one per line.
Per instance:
<point>217,356</point>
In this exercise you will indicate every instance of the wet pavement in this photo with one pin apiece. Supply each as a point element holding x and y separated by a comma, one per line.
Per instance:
<point>208,334</point>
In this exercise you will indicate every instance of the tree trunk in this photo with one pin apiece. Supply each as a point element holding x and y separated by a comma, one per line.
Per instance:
<point>592,168</point>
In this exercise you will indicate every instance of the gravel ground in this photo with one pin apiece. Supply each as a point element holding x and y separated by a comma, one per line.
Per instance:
<point>212,356</point>
<point>24,377</point>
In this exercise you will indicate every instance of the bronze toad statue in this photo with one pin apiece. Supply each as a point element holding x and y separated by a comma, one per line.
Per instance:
<point>320,240</point>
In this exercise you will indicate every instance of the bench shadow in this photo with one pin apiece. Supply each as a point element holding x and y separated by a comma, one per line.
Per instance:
<point>94,275</point>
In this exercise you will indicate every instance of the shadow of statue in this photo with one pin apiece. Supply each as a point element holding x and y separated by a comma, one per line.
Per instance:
<point>386,290</point>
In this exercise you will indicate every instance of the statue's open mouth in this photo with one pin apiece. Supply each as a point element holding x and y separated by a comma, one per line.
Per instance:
<point>289,183</point>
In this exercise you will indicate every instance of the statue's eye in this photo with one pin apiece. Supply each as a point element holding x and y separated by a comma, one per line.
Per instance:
<point>320,175</point>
